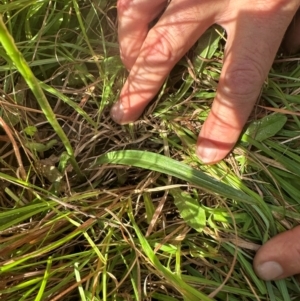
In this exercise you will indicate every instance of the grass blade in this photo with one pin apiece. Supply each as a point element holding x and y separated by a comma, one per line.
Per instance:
<point>17,58</point>
<point>186,290</point>
<point>174,168</point>
<point>39,296</point>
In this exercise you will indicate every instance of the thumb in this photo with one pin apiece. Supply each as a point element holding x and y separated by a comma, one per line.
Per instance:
<point>279,257</point>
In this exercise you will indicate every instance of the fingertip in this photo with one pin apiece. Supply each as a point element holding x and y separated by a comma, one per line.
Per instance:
<point>207,151</point>
<point>268,270</point>
<point>127,109</point>
<point>217,137</point>
<point>122,116</point>
<point>117,112</point>
<point>279,257</point>
<point>211,152</point>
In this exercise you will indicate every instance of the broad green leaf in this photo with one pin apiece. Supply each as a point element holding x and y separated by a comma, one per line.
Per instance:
<point>266,127</point>
<point>30,130</point>
<point>189,208</point>
<point>40,147</point>
<point>177,169</point>
<point>184,172</point>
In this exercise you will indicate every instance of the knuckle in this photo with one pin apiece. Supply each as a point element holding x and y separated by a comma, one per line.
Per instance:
<point>267,4</point>
<point>242,80</point>
<point>272,6</point>
<point>123,6</point>
<point>159,50</point>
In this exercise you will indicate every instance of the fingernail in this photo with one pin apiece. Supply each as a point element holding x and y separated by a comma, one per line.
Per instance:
<point>269,270</point>
<point>117,112</point>
<point>207,151</point>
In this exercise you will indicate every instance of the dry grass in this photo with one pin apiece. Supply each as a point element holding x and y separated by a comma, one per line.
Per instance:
<point>114,232</point>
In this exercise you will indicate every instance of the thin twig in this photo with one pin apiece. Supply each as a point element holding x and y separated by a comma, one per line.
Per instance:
<point>15,147</point>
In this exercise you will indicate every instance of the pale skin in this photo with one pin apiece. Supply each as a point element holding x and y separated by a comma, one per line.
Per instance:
<point>255,30</point>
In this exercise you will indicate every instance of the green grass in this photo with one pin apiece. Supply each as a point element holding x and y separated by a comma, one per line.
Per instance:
<point>91,210</point>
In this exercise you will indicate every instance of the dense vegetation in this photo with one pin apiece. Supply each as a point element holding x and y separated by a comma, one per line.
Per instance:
<point>83,219</point>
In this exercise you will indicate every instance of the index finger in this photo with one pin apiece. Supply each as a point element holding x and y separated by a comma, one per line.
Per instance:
<point>176,31</point>
<point>133,22</point>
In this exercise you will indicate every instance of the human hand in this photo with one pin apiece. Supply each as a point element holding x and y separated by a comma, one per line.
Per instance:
<point>279,257</point>
<point>255,29</point>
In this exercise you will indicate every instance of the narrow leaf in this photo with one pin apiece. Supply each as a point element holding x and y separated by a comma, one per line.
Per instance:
<point>177,169</point>
<point>189,292</point>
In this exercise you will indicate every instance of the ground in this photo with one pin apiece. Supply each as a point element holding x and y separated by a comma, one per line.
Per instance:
<point>91,210</point>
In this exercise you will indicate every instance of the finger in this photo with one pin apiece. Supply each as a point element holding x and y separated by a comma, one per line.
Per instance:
<point>292,37</point>
<point>249,53</point>
<point>279,257</point>
<point>133,22</point>
<point>176,31</point>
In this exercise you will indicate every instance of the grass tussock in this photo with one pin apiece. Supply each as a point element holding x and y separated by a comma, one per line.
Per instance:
<point>83,219</point>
